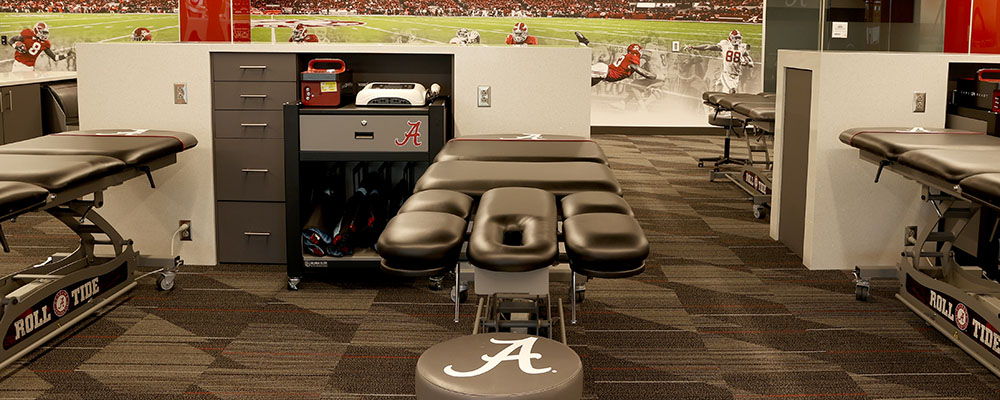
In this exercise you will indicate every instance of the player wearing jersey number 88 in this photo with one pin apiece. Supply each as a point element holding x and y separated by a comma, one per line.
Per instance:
<point>735,56</point>
<point>29,44</point>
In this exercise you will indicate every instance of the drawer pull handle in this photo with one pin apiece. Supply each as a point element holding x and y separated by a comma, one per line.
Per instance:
<point>245,125</point>
<point>253,96</point>
<point>264,234</point>
<point>364,135</point>
<point>249,170</point>
<point>253,67</point>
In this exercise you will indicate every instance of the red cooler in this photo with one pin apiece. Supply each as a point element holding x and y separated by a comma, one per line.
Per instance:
<point>325,87</point>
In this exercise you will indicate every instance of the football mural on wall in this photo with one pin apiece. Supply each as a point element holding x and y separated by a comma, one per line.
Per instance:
<point>650,63</point>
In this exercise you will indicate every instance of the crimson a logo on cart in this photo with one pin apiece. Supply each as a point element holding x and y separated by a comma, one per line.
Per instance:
<point>961,316</point>
<point>60,303</point>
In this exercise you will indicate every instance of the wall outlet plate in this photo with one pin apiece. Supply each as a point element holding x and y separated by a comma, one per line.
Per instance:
<point>676,46</point>
<point>180,93</point>
<point>185,235</point>
<point>919,102</point>
<point>3,40</point>
<point>484,96</point>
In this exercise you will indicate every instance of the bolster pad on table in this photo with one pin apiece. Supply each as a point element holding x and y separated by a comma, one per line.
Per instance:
<point>55,173</point>
<point>891,142</point>
<point>756,111</point>
<point>131,147</point>
<point>731,101</point>
<point>444,201</point>
<point>953,165</point>
<point>605,245</point>
<point>559,178</point>
<point>985,187</point>
<point>16,197</point>
<point>514,230</point>
<point>594,202</point>
<point>539,150</point>
<point>421,243</point>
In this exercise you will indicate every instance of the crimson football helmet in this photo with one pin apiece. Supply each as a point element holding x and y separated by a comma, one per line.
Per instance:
<point>141,34</point>
<point>520,32</point>
<point>41,31</point>
<point>634,48</point>
<point>735,37</point>
<point>299,33</point>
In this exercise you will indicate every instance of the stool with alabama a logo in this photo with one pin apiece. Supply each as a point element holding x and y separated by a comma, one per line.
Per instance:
<point>499,366</point>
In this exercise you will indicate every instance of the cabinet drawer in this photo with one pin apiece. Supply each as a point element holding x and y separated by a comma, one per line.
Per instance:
<point>254,67</point>
<point>248,125</point>
<point>254,95</point>
<point>249,169</point>
<point>364,133</point>
<point>251,232</point>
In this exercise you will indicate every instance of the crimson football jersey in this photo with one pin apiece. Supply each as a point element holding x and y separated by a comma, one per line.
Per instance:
<point>309,38</point>
<point>529,40</point>
<point>33,46</point>
<point>620,68</point>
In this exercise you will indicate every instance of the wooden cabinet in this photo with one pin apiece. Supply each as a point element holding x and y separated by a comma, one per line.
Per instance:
<point>248,91</point>
<point>21,112</point>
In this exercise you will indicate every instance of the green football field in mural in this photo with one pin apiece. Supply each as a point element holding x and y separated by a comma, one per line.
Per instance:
<point>71,28</point>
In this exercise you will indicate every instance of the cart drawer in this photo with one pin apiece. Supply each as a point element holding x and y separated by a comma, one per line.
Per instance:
<point>251,232</point>
<point>254,67</point>
<point>249,169</point>
<point>248,125</point>
<point>254,95</point>
<point>385,133</point>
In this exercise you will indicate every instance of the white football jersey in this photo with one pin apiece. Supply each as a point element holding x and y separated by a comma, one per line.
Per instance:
<point>733,57</point>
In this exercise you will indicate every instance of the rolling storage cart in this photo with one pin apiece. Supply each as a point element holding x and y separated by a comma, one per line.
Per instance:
<point>357,144</point>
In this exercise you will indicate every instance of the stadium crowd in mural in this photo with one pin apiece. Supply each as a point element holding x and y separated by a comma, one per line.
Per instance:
<point>717,10</point>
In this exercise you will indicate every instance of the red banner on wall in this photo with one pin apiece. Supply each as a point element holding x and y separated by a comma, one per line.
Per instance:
<point>215,20</point>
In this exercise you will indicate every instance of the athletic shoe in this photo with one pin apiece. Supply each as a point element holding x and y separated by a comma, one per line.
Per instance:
<point>583,39</point>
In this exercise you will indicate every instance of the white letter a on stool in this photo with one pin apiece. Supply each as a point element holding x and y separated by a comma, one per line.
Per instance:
<point>523,359</point>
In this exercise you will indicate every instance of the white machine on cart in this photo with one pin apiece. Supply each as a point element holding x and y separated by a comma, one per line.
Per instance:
<point>404,94</point>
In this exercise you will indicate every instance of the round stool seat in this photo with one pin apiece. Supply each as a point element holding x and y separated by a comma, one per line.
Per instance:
<point>499,366</point>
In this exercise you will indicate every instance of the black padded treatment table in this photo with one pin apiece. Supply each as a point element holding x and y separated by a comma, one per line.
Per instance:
<point>65,175</point>
<point>514,208</point>
<point>427,237</point>
<point>959,173</point>
<point>722,105</point>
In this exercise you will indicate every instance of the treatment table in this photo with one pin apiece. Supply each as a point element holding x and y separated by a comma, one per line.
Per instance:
<point>960,178</point>
<point>65,175</point>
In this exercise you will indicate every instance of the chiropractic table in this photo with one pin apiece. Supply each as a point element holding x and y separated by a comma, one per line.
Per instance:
<point>959,173</point>
<point>65,175</point>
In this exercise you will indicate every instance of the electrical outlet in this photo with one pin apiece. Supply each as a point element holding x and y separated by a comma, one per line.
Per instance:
<point>185,234</point>
<point>484,96</point>
<point>919,102</point>
<point>180,93</point>
<point>676,46</point>
<point>3,40</point>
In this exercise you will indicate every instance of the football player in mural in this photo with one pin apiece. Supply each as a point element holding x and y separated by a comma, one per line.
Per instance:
<point>141,34</point>
<point>520,37</point>
<point>465,36</point>
<point>300,35</point>
<point>735,56</point>
<point>31,43</point>
<point>621,68</point>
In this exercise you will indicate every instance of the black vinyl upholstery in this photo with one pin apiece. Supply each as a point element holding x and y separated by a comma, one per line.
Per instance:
<point>890,143</point>
<point>130,148</point>
<point>594,202</point>
<point>514,230</point>
<point>549,149</point>
<point>421,243</point>
<point>952,165</point>
<point>605,245</point>
<point>55,173</point>
<point>16,197</point>
<point>560,178</point>
<point>442,201</point>
<point>985,187</point>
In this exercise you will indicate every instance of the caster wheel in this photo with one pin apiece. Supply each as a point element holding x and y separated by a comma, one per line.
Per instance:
<point>165,283</point>
<point>701,164</point>
<point>435,284</point>
<point>759,212</point>
<point>580,295</point>
<point>463,295</point>
<point>293,283</point>
<point>862,293</point>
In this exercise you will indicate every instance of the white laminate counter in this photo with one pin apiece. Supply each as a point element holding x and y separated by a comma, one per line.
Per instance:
<point>24,78</point>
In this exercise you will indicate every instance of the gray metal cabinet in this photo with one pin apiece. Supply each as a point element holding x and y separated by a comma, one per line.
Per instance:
<point>248,91</point>
<point>21,112</point>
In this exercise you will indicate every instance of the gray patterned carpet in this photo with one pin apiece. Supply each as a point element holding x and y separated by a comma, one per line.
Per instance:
<point>722,312</point>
